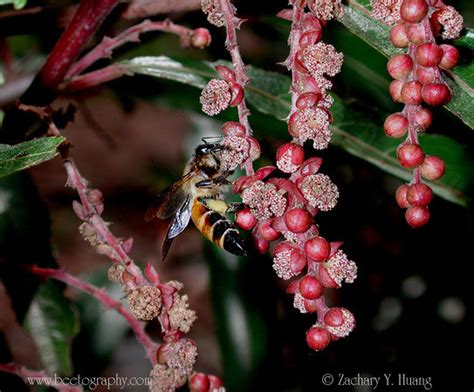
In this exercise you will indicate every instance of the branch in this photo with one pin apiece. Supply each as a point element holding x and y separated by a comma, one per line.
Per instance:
<point>105,48</point>
<point>110,303</point>
<point>145,8</point>
<point>86,21</point>
<point>37,377</point>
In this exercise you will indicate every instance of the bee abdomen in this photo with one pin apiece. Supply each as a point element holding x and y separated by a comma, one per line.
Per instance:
<point>218,229</point>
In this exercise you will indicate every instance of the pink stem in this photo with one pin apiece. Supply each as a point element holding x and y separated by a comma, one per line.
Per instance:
<point>37,377</point>
<point>232,23</point>
<point>295,35</point>
<point>86,21</point>
<point>110,303</point>
<point>132,34</point>
<point>94,78</point>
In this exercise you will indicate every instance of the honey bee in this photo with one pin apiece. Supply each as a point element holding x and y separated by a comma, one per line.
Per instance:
<point>198,195</point>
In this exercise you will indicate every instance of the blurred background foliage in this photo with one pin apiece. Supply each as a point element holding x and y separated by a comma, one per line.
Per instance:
<point>131,138</point>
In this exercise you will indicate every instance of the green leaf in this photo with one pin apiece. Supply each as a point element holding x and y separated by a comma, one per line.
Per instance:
<point>27,154</point>
<point>52,323</point>
<point>357,129</point>
<point>18,4</point>
<point>461,79</point>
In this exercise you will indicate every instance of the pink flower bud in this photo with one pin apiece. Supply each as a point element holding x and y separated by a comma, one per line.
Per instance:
<point>417,216</point>
<point>436,94</point>
<point>298,220</point>
<point>419,195</point>
<point>237,93</point>
<point>310,38</point>
<point>411,93</point>
<point>317,248</point>
<point>267,232</point>
<point>398,36</point>
<point>400,66</point>
<point>200,38</point>
<point>396,125</point>
<point>318,338</point>
<point>432,168</point>
<point>245,219</point>
<point>423,118</point>
<point>413,11</point>
<point>199,382</point>
<point>395,90</point>
<point>415,33</point>
<point>232,128</point>
<point>289,157</point>
<point>410,155</point>
<point>308,100</point>
<point>310,287</point>
<point>401,196</point>
<point>339,322</point>
<point>429,54</point>
<point>426,75</point>
<point>450,57</point>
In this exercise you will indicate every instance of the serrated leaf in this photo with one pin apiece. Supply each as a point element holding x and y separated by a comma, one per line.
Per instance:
<point>52,323</point>
<point>27,154</point>
<point>460,79</point>
<point>359,132</point>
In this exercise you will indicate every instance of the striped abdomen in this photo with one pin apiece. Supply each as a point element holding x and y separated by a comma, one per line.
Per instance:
<point>217,228</point>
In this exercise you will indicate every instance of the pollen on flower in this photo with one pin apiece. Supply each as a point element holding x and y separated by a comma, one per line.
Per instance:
<point>320,191</point>
<point>326,9</point>
<point>165,379</point>
<point>115,273</point>
<point>326,101</point>
<point>341,268</point>
<point>236,152</point>
<point>452,22</point>
<point>213,11</point>
<point>322,59</point>
<point>285,163</point>
<point>264,200</point>
<point>386,10</point>
<point>181,356</point>
<point>298,303</point>
<point>145,302</point>
<point>292,237</point>
<point>346,327</point>
<point>181,318</point>
<point>282,265</point>
<point>215,97</point>
<point>313,124</point>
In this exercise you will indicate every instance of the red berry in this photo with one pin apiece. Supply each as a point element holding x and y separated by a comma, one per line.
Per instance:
<point>267,232</point>
<point>245,219</point>
<point>311,287</point>
<point>401,196</point>
<point>417,216</point>
<point>200,38</point>
<point>413,11</point>
<point>419,195</point>
<point>410,155</point>
<point>396,125</point>
<point>400,66</point>
<point>432,168</point>
<point>428,54</point>
<point>436,94</point>
<point>426,74</point>
<point>310,305</point>
<point>317,248</point>
<point>411,93</point>
<point>396,90</point>
<point>289,157</point>
<point>450,56</point>
<point>318,338</point>
<point>415,33</point>
<point>199,382</point>
<point>298,220</point>
<point>423,118</point>
<point>398,36</point>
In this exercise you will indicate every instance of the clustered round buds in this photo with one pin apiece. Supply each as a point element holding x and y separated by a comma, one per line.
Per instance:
<point>418,80</point>
<point>200,382</point>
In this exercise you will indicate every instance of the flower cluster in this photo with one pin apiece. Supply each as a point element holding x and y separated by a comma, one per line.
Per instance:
<point>417,81</point>
<point>278,207</point>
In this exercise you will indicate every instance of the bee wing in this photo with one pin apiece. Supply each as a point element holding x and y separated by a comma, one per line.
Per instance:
<point>178,224</point>
<point>170,200</point>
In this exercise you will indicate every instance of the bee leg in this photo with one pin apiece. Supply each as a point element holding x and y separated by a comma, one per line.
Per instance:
<point>235,207</point>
